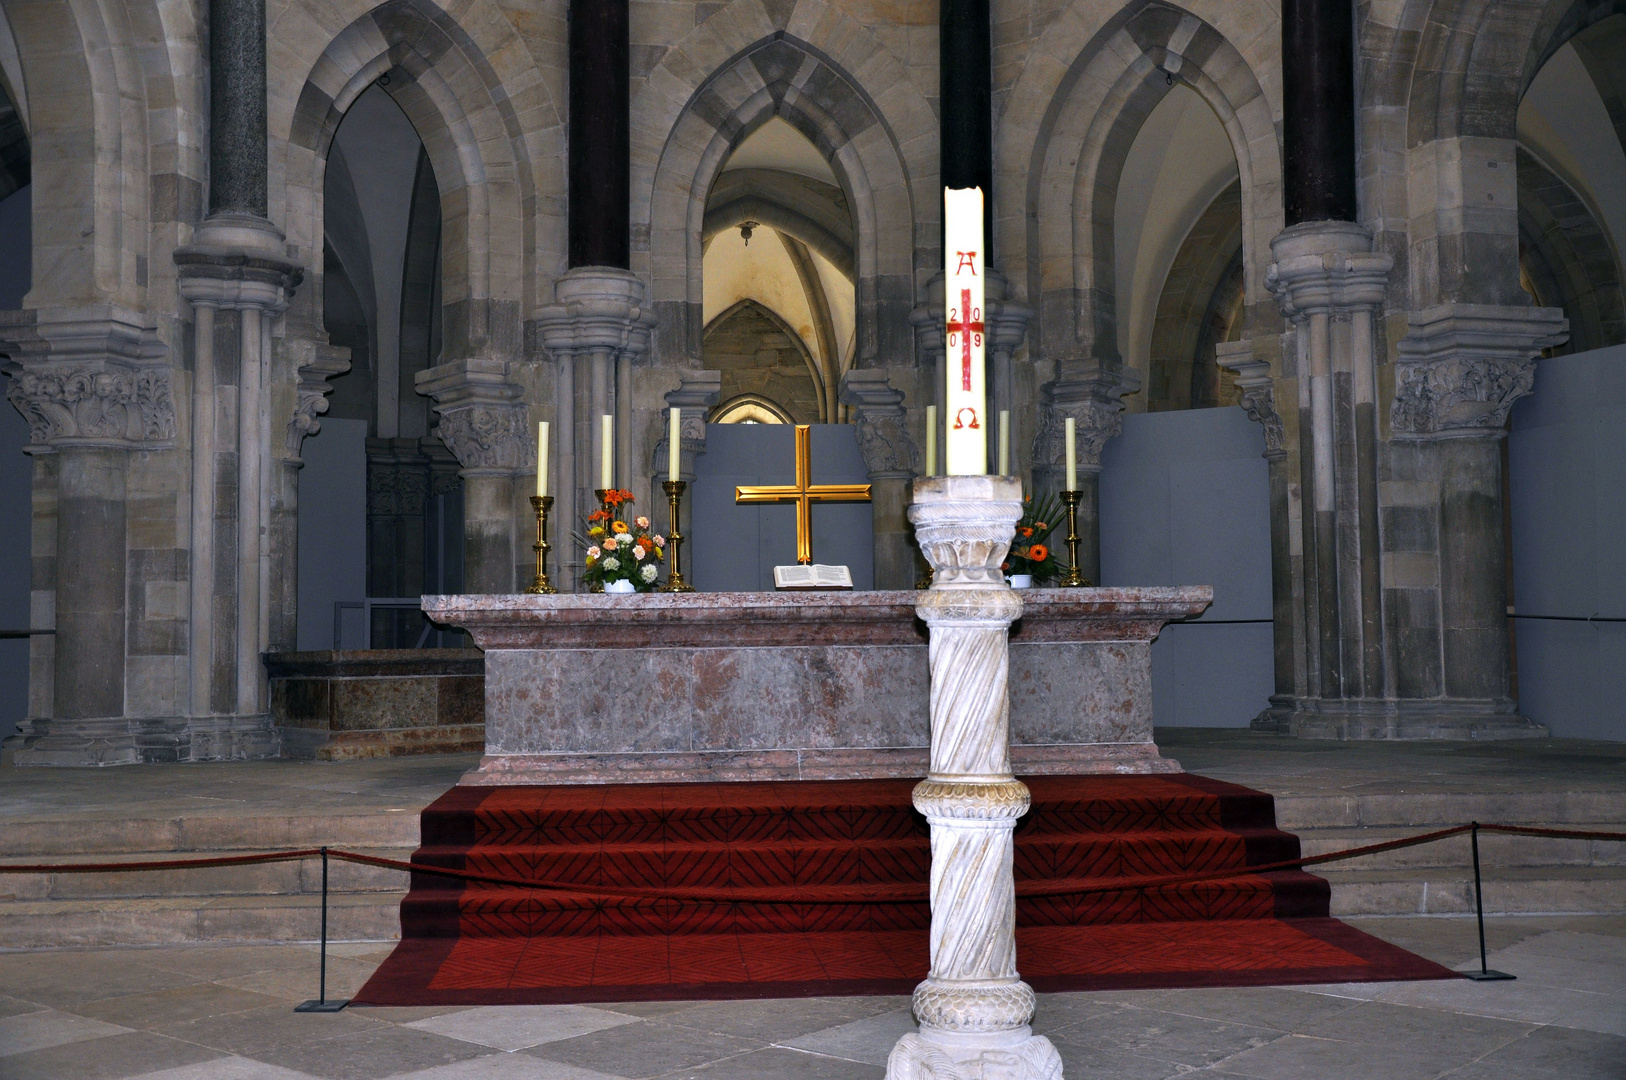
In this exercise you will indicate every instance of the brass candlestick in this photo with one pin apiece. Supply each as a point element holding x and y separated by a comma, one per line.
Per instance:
<point>1073,579</point>
<point>674,540</point>
<point>540,585</point>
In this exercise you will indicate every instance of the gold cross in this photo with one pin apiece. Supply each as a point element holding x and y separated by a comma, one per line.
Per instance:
<point>804,493</point>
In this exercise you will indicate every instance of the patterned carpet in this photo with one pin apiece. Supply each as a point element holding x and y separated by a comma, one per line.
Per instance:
<point>818,887</point>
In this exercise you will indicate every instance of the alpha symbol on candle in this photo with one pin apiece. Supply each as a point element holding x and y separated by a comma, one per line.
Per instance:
<point>968,262</point>
<point>966,418</point>
<point>967,324</point>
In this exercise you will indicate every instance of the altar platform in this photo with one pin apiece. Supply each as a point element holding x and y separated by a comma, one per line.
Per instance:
<point>796,686</point>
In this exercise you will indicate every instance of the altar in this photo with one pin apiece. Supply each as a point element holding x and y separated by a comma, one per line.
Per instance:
<point>585,688</point>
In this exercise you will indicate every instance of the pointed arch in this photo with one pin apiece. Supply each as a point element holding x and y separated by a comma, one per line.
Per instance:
<point>738,69</point>
<point>1093,85</point>
<point>464,95</point>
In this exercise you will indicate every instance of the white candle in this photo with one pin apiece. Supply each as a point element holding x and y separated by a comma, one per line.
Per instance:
<point>1072,457</point>
<point>1004,442</point>
<point>965,442</point>
<point>606,453</point>
<point>542,458</point>
<point>931,440</point>
<point>674,443</point>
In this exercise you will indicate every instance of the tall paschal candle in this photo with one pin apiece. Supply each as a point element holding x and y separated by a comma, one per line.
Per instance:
<point>965,444</point>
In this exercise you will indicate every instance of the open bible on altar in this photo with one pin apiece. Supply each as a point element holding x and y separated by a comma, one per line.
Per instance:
<point>814,576</point>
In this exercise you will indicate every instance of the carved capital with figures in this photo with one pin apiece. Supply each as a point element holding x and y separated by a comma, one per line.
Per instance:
<point>881,423</point>
<point>1462,366</point>
<point>696,395</point>
<point>483,418</point>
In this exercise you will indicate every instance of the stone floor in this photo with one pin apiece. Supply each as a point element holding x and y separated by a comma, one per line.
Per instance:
<point>225,1013</point>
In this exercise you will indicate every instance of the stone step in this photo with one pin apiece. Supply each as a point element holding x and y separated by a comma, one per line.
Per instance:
<point>1545,890</point>
<point>1496,850</point>
<point>1436,809</point>
<point>59,840</point>
<point>42,924</point>
<point>255,879</point>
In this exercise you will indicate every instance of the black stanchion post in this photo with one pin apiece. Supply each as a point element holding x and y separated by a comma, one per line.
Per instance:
<point>1484,974</point>
<point>321,1004</point>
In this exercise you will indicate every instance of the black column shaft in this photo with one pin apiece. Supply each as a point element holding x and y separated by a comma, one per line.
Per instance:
<point>237,156</point>
<point>600,134</point>
<point>965,89</point>
<point>1318,93</point>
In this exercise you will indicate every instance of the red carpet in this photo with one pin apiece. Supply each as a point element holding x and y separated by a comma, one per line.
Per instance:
<point>850,842</point>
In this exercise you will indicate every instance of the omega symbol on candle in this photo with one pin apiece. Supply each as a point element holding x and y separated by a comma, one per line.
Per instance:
<point>966,418</point>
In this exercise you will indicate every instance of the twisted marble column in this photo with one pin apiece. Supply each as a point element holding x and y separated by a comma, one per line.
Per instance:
<point>973,1007</point>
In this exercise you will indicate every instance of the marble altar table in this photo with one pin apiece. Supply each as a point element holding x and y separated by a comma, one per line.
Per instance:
<point>766,686</point>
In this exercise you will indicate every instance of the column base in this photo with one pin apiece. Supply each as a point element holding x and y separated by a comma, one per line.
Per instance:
<point>145,740</point>
<point>1396,719</point>
<point>934,1054</point>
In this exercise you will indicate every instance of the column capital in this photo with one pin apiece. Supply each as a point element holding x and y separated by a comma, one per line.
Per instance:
<point>321,363</point>
<point>92,377</point>
<point>697,392</point>
<point>484,421</point>
<point>1258,392</point>
<point>1462,366</point>
<point>882,422</point>
<point>1325,267</point>
<point>238,261</point>
<point>1093,396</point>
<point>596,309</point>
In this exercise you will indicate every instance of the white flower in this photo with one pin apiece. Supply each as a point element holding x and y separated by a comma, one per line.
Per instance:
<point>623,538</point>
<point>610,563</point>
<point>638,552</point>
<point>648,573</point>
<point>642,522</point>
<point>660,541</point>
<point>594,552</point>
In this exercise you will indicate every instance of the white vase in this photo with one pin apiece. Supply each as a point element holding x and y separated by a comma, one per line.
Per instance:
<point>1021,581</point>
<point>619,587</point>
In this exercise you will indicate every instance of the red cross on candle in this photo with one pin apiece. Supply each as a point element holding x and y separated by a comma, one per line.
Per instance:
<point>966,322</point>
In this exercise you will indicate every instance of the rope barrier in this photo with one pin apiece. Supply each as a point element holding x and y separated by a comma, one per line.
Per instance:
<point>901,893</point>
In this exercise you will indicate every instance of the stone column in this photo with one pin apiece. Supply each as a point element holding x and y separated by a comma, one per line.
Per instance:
<point>974,1009</point>
<point>94,386</point>
<point>1259,402</point>
<point>486,426</point>
<point>892,460</point>
<point>1460,368</point>
<point>1318,98</point>
<point>600,315</point>
<point>696,395</point>
<point>1093,396</point>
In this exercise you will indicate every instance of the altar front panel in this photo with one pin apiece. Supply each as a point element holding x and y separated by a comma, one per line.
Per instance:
<point>736,686</point>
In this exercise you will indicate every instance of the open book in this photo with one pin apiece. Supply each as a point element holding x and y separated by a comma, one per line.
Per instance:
<point>815,576</point>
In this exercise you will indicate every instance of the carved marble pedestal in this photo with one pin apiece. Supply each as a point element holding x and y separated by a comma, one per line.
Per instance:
<point>973,1008</point>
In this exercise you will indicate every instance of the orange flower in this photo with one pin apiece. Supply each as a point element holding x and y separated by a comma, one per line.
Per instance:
<point>618,526</point>
<point>1023,531</point>
<point>1038,553</point>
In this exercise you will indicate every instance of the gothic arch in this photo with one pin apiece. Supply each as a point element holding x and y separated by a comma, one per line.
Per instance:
<point>1569,258</point>
<point>467,113</point>
<point>728,77</point>
<point>1093,87</point>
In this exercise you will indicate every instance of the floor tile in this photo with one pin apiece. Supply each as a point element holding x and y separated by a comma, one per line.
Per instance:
<point>1606,1016</point>
<point>1549,1053</point>
<point>1088,1063</point>
<point>1263,1006</point>
<point>226,1068</point>
<point>67,977</point>
<point>10,1006</point>
<point>181,1003</point>
<point>1057,1011</point>
<point>38,1030</point>
<point>113,1058</point>
<point>869,1040</point>
<point>643,1050</point>
<point>344,979</point>
<point>506,1067</point>
<point>1519,1001</point>
<point>515,1027</point>
<point>377,1051</point>
<point>779,1063</point>
<point>1296,1057</point>
<point>1184,1040</point>
<point>779,1019</point>
<point>1377,1023</point>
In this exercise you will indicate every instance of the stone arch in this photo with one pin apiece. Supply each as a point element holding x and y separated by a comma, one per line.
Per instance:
<point>769,384</point>
<point>1093,86</point>
<point>1195,309</point>
<point>466,112</point>
<point>1568,257</point>
<point>798,206</point>
<point>736,70</point>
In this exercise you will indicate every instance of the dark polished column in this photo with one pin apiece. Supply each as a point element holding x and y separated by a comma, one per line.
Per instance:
<point>1318,125</point>
<point>600,134</point>
<point>965,90</point>
<point>237,154</point>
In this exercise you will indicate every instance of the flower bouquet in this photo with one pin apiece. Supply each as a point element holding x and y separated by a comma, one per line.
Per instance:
<point>1029,554</point>
<point>619,551</point>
